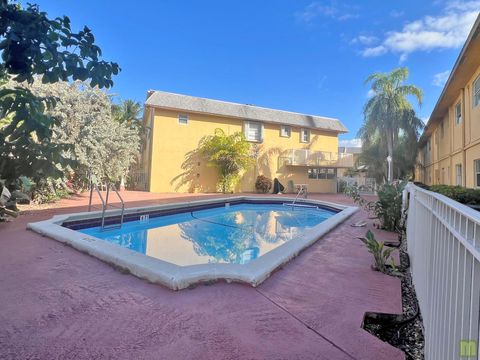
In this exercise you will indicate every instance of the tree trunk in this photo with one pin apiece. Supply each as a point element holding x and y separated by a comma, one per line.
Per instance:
<point>390,153</point>
<point>122,183</point>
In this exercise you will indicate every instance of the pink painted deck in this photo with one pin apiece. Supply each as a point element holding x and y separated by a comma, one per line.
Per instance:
<point>58,303</point>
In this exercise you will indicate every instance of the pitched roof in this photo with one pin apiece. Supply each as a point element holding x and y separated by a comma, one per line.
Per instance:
<point>166,100</point>
<point>464,68</point>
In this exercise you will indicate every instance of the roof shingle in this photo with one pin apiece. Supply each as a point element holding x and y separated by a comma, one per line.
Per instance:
<point>166,100</point>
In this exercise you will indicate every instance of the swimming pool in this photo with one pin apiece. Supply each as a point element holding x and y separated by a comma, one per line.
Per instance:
<point>233,234</point>
<point>235,239</point>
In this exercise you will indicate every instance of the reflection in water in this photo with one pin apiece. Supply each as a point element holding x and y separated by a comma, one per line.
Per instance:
<point>236,234</point>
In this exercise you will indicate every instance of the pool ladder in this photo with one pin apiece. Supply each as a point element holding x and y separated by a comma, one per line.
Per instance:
<point>105,204</point>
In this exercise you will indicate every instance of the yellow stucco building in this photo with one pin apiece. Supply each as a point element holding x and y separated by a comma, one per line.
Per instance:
<point>295,148</point>
<point>450,144</point>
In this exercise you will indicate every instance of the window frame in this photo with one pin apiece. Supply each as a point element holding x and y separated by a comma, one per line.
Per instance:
<point>458,116</point>
<point>286,134</point>
<point>458,175</point>
<point>476,172</point>
<point>476,92</point>
<point>184,117</point>
<point>247,124</point>
<point>305,131</point>
<point>322,173</point>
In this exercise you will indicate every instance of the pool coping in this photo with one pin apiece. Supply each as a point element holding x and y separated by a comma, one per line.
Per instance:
<point>178,277</point>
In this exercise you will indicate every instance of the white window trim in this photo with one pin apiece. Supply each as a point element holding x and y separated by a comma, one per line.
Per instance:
<point>458,175</point>
<point>475,185</point>
<point>318,171</point>
<point>477,93</point>
<point>302,130</point>
<point>184,116</point>
<point>282,134</point>
<point>458,120</point>
<point>246,125</point>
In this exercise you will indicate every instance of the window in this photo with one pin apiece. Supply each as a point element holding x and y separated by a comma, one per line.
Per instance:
<point>285,131</point>
<point>458,113</point>
<point>476,92</point>
<point>476,166</point>
<point>253,131</point>
<point>458,174</point>
<point>322,173</point>
<point>183,119</point>
<point>429,145</point>
<point>442,129</point>
<point>304,135</point>
<point>313,173</point>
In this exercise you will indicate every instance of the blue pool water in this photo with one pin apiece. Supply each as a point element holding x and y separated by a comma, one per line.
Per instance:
<point>231,234</point>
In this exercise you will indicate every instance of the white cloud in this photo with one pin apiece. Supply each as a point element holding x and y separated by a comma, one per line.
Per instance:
<point>441,78</point>
<point>463,5</point>
<point>365,40</point>
<point>375,51</point>
<point>350,143</point>
<point>425,119</point>
<point>446,31</point>
<point>325,9</point>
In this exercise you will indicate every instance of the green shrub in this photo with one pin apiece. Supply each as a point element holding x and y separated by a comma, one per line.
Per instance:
<point>263,184</point>
<point>458,193</point>
<point>381,254</point>
<point>388,207</point>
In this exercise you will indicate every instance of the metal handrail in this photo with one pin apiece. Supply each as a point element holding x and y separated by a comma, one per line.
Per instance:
<point>302,189</point>
<point>112,186</point>
<point>95,186</point>
<point>105,204</point>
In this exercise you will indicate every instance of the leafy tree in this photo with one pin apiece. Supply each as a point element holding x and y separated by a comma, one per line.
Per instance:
<point>230,154</point>
<point>97,143</point>
<point>386,112</point>
<point>31,44</point>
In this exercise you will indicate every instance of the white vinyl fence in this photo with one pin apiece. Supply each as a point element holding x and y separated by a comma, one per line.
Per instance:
<point>443,239</point>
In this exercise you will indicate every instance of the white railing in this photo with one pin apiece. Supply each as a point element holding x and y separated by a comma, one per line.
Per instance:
<point>306,157</point>
<point>365,185</point>
<point>443,238</point>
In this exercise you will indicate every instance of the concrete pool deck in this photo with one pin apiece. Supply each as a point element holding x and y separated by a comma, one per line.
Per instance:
<point>56,302</point>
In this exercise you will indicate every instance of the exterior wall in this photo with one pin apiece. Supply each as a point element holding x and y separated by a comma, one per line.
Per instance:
<point>472,153</point>
<point>460,143</point>
<point>176,165</point>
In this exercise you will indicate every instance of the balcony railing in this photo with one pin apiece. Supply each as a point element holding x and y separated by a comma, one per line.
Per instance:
<point>305,157</point>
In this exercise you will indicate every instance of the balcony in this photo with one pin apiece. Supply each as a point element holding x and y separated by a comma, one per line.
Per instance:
<point>305,157</point>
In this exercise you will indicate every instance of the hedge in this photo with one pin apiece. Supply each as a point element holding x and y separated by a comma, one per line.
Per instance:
<point>458,193</point>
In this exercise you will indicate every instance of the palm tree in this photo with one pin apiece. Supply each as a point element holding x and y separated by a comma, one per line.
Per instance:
<point>229,154</point>
<point>383,112</point>
<point>129,112</point>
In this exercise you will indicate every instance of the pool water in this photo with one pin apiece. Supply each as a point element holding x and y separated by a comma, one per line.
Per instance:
<point>229,234</point>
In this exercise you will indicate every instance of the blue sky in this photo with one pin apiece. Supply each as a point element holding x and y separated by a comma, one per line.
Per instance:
<point>305,56</point>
